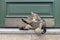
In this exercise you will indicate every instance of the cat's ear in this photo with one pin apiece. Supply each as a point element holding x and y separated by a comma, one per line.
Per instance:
<point>33,13</point>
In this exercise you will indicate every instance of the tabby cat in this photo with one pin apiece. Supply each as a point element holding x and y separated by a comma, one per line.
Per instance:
<point>34,22</point>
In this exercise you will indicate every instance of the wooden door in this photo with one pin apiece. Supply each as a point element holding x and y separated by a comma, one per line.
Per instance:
<point>22,8</point>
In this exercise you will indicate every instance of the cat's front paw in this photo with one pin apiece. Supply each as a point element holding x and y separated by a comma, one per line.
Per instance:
<point>38,30</point>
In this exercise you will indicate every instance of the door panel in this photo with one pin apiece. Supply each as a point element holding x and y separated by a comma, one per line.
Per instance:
<point>26,8</point>
<point>16,9</point>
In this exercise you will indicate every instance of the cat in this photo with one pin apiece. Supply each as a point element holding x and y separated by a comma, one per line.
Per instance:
<point>34,22</point>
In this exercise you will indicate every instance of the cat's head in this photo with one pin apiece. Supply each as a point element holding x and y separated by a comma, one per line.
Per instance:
<point>34,16</point>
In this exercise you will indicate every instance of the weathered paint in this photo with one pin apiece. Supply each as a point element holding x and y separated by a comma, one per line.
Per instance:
<point>22,8</point>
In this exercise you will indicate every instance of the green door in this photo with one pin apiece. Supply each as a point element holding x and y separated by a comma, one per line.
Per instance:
<point>22,8</point>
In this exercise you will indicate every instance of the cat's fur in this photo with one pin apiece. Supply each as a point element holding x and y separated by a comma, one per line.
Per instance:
<point>34,21</point>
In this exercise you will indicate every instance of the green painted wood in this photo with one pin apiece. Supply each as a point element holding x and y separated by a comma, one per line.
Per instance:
<point>26,8</point>
<point>29,0</point>
<point>22,8</point>
<point>16,8</point>
<point>57,13</point>
<point>2,12</point>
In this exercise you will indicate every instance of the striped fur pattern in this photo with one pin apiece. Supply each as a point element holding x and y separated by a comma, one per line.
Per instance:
<point>34,21</point>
